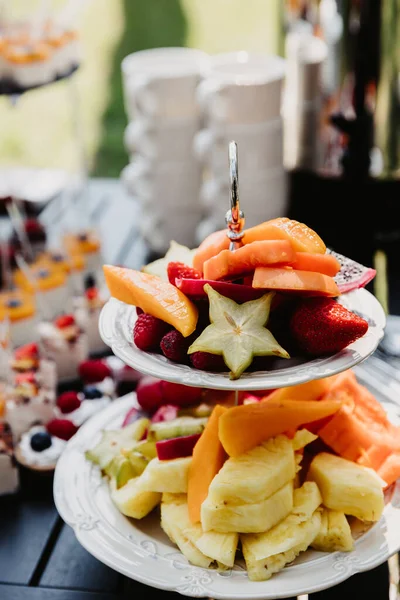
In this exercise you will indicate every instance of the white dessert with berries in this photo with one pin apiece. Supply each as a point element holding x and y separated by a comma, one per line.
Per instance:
<point>27,359</point>
<point>87,311</point>
<point>9,476</point>
<point>64,342</point>
<point>28,64</point>
<point>27,404</point>
<point>87,244</point>
<point>23,317</point>
<point>38,449</point>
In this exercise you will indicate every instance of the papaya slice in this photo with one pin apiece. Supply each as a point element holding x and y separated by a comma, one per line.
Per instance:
<point>292,280</point>
<point>154,296</point>
<point>208,458</point>
<point>326,264</point>
<point>302,238</point>
<point>312,390</point>
<point>227,264</point>
<point>209,247</point>
<point>389,470</point>
<point>241,428</point>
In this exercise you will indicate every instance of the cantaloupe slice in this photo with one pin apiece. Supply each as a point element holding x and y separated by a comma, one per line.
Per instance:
<point>241,428</point>
<point>326,264</point>
<point>247,258</point>
<point>302,238</point>
<point>154,296</point>
<point>312,390</point>
<point>209,247</point>
<point>292,280</point>
<point>208,458</point>
<point>389,470</point>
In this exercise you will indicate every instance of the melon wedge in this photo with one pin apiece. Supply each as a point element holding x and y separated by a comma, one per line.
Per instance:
<point>245,259</point>
<point>311,390</point>
<point>241,428</point>
<point>194,288</point>
<point>302,238</point>
<point>327,264</point>
<point>154,296</point>
<point>292,280</point>
<point>209,247</point>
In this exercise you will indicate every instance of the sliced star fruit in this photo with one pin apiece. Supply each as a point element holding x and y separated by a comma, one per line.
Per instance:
<point>175,253</point>
<point>238,332</point>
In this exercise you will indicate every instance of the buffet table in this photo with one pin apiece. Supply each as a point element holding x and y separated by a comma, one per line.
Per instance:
<point>40,559</point>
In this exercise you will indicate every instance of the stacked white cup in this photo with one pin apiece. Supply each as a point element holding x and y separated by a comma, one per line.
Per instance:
<point>163,173</point>
<point>241,97</point>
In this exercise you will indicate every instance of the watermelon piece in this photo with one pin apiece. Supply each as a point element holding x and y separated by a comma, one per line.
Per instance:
<point>352,275</point>
<point>194,288</point>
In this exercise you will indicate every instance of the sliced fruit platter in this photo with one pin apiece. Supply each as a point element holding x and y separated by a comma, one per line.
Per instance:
<point>305,473</point>
<point>214,316</point>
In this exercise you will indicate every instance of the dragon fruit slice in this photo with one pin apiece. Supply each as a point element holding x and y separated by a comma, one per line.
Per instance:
<point>352,275</point>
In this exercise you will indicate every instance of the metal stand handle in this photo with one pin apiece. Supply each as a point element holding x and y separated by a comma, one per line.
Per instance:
<point>234,217</point>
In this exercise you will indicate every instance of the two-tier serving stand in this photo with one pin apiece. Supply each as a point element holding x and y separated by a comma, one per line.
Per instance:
<point>139,549</point>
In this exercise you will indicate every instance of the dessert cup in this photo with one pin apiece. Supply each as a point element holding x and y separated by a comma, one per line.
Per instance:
<point>43,461</point>
<point>23,317</point>
<point>9,476</point>
<point>87,312</point>
<point>29,65</point>
<point>27,405</point>
<point>27,359</point>
<point>87,244</point>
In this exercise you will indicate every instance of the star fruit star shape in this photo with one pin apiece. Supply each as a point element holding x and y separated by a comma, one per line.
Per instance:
<point>238,332</point>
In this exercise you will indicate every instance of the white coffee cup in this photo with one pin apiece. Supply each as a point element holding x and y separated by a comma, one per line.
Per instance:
<point>161,185</point>
<point>170,140</point>
<point>260,145</point>
<point>241,87</point>
<point>162,82</point>
<point>306,55</point>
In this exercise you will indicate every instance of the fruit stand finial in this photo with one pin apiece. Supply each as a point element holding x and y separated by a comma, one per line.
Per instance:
<point>234,217</point>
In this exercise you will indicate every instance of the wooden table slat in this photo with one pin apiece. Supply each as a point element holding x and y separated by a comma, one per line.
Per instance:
<point>15,592</point>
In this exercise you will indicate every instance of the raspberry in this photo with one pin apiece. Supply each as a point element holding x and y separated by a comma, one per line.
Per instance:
<point>92,293</point>
<point>139,311</point>
<point>174,346</point>
<point>29,377</point>
<point>62,428</point>
<point>208,362</point>
<point>94,371</point>
<point>27,351</point>
<point>64,321</point>
<point>68,401</point>
<point>148,332</point>
<point>178,270</point>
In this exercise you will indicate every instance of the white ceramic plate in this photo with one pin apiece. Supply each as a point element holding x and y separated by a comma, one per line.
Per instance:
<point>140,550</point>
<point>116,325</point>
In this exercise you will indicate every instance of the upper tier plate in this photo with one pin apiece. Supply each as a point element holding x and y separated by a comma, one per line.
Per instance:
<point>117,320</point>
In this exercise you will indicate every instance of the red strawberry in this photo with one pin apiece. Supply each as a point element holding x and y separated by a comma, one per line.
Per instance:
<point>180,395</point>
<point>178,270</point>
<point>94,371</point>
<point>323,326</point>
<point>62,428</point>
<point>208,362</point>
<point>148,332</point>
<point>64,321</point>
<point>27,351</point>
<point>68,401</point>
<point>149,393</point>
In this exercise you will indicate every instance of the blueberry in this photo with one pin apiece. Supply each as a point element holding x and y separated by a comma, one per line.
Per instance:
<point>57,258</point>
<point>90,282</point>
<point>43,273</point>
<point>40,441</point>
<point>92,393</point>
<point>13,303</point>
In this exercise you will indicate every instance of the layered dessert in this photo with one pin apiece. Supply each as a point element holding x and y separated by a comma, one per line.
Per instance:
<point>51,286</point>
<point>27,65</point>
<point>87,312</point>
<point>38,449</point>
<point>9,476</point>
<point>27,360</point>
<point>274,297</point>
<point>64,342</point>
<point>23,317</point>
<point>87,244</point>
<point>65,47</point>
<point>78,407</point>
<point>73,266</point>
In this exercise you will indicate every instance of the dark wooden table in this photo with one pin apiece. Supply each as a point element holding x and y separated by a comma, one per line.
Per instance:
<point>40,559</point>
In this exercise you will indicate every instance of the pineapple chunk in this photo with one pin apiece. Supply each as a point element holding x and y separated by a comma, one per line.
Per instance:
<point>334,534</point>
<point>247,518</point>
<point>261,569</point>
<point>302,438</point>
<point>178,527</point>
<point>347,487</point>
<point>132,500</point>
<point>256,474</point>
<point>285,535</point>
<point>166,475</point>
<point>220,546</point>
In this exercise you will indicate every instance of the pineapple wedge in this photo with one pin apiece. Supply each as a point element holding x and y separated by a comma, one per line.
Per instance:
<point>255,475</point>
<point>219,546</point>
<point>247,518</point>
<point>334,534</point>
<point>166,475</point>
<point>178,527</point>
<point>302,438</point>
<point>347,487</point>
<point>267,553</point>
<point>132,500</point>
<point>261,569</point>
